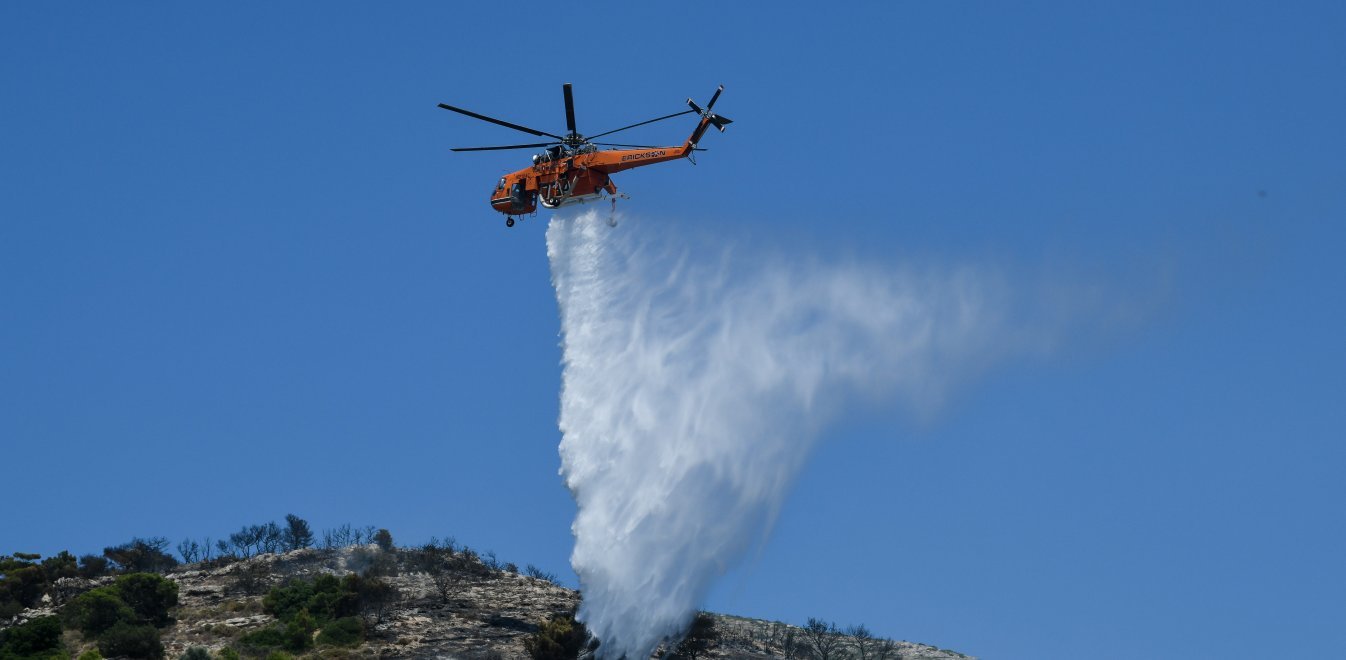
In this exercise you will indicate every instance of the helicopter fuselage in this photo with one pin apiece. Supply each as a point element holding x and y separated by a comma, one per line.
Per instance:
<point>561,179</point>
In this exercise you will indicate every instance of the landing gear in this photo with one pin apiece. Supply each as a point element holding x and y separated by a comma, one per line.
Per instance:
<point>509,222</point>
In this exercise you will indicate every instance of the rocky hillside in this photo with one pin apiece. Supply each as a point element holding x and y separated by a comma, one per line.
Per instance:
<point>461,607</point>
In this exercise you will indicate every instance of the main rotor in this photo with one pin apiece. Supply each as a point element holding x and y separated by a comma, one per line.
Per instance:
<point>573,141</point>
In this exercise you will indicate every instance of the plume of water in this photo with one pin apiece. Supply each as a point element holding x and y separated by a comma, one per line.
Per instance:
<point>695,381</point>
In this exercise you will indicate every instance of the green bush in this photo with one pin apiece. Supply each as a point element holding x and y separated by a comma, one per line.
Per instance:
<point>264,638</point>
<point>149,595</point>
<point>346,631</point>
<point>279,655</point>
<point>299,632</point>
<point>38,638</point>
<point>561,638</point>
<point>97,610</point>
<point>326,598</point>
<point>196,653</point>
<point>228,654</point>
<point>131,641</point>
<point>326,603</point>
<point>91,654</point>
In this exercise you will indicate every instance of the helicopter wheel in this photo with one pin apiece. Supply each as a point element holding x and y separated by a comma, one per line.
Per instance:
<point>509,222</point>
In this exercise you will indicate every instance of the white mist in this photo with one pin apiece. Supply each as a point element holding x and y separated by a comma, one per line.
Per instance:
<point>696,381</point>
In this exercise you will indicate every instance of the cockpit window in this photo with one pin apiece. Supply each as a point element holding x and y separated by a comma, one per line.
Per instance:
<point>501,185</point>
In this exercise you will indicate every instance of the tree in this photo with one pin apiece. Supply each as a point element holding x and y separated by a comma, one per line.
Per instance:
<point>886,649</point>
<point>270,539</point>
<point>61,565</point>
<point>298,535</point>
<point>822,639</point>
<point>864,641</point>
<point>92,566</point>
<point>149,596</point>
<point>445,581</point>
<point>141,555</point>
<point>246,541</point>
<point>189,550</point>
<point>537,573</point>
<point>701,638</point>
<point>384,539</point>
<point>23,583</point>
<point>561,638</point>
<point>250,579</point>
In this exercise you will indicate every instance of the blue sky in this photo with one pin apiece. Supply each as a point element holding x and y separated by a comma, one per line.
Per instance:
<point>241,275</point>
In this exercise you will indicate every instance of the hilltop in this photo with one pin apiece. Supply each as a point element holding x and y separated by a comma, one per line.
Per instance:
<point>434,601</point>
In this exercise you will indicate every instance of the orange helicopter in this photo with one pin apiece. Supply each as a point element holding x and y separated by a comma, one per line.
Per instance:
<point>573,170</point>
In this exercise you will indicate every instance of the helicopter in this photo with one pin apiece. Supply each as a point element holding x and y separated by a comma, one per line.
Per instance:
<point>572,169</point>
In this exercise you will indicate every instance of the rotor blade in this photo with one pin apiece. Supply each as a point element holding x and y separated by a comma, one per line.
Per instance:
<point>512,146</point>
<point>618,130</point>
<point>570,109</point>
<point>637,146</point>
<point>714,98</point>
<point>498,121</point>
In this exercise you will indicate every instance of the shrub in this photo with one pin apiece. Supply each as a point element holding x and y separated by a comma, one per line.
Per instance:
<point>299,632</point>
<point>227,654</point>
<point>264,638</point>
<point>132,641</point>
<point>149,595</point>
<point>196,653</point>
<point>95,611</point>
<point>374,595</point>
<point>279,655</point>
<point>561,638</point>
<point>9,609</point>
<point>91,654</point>
<point>325,598</point>
<point>346,631</point>
<point>250,579</point>
<point>38,638</point>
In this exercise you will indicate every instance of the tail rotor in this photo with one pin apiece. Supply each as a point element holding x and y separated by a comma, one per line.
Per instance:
<point>718,121</point>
